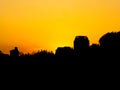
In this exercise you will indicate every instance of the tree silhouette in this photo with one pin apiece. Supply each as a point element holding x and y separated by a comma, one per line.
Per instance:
<point>110,48</point>
<point>110,40</point>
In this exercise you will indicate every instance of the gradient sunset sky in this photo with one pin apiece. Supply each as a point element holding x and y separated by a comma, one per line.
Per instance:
<point>47,24</point>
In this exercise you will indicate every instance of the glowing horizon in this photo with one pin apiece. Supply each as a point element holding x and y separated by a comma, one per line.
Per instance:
<point>48,24</point>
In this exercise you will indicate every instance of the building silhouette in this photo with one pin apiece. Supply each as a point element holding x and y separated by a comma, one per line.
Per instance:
<point>64,54</point>
<point>81,44</point>
<point>14,52</point>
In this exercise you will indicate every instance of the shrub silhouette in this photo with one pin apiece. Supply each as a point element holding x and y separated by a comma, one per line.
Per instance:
<point>4,58</point>
<point>43,56</point>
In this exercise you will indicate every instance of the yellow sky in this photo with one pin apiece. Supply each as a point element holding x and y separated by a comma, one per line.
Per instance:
<point>48,24</point>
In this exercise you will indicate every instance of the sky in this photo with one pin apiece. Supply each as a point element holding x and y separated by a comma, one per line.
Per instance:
<point>47,24</point>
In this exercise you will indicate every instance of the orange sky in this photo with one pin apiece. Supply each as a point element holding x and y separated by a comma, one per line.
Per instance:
<point>47,24</point>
